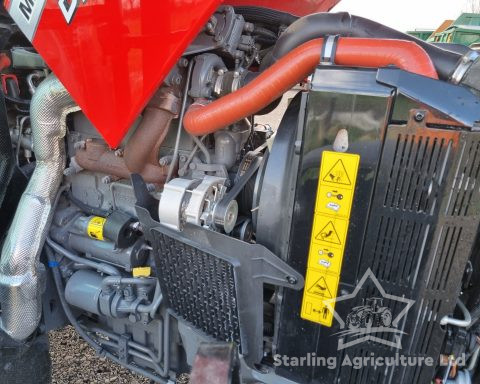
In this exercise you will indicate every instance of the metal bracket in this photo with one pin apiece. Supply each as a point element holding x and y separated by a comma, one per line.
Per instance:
<point>329,50</point>
<point>253,266</point>
<point>123,348</point>
<point>454,101</point>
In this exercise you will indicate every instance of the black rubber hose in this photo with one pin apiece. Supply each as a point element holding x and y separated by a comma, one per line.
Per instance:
<point>85,208</point>
<point>265,33</point>
<point>321,24</point>
<point>17,100</point>
<point>266,16</point>
<point>7,160</point>
<point>265,36</point>
<point>452,47</point>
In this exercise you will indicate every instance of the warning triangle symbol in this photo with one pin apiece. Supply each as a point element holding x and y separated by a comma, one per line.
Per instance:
<point>338,174</point>
<point>329,234</point>
<point>320,288</point>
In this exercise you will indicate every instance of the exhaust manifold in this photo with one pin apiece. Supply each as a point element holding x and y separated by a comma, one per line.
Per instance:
<point>22,276</point>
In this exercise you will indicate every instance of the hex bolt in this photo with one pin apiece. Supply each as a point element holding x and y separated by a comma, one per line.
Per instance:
<point>291,280</point>
<point>119,152</point>
<point>80,145</point>
<point>419,116</point>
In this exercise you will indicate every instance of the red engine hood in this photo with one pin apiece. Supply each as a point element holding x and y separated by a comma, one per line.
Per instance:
<point>112,55</point>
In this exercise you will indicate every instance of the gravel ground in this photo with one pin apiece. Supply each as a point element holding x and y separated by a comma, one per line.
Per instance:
<point>74,362</point>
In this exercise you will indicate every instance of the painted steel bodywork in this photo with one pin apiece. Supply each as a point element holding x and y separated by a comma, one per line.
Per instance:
<point>113,55</point>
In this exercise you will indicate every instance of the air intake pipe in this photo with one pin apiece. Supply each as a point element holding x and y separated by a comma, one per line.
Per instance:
<point>322,24</point>
<point>21,274</point>
<point>295,66</point>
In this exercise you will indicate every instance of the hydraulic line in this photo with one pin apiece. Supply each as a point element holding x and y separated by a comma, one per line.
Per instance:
<point>291,69</point>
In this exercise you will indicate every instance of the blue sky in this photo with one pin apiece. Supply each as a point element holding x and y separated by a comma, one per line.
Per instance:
<point>405,14</point>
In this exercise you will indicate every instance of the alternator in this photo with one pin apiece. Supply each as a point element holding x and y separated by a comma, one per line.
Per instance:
<point>194,201</point>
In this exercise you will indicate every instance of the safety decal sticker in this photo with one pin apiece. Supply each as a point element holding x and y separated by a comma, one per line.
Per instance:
<point>95,227</point>
<point>320,288</point>
<point>336,188</point>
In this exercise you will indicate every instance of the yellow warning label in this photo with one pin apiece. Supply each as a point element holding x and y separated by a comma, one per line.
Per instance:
<point>329,230</point>
<point>338,174</point>
<point>325,258</point>
<point>319,287</point>
<point>316,311</point>
<point>334,201</point>
<point>142,272</point>
<point>95,227</point>
<point>335,193</point>
<point>339,169</point>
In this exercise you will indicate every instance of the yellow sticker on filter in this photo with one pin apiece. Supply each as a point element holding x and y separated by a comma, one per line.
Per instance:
<point>95,227</point>
<point>142,272</point>
<point>336,188</point>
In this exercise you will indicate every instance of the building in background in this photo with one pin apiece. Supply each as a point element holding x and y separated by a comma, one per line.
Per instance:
<point>422,34</point>
<point>465,30</point>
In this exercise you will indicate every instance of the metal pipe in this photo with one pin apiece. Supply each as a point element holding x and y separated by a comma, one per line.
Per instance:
<point>183,170</point>
<point>143,147</point>
<point>32,76</point>
<point>151,355</point>
<point>474,359</point>
<point>22,279</point>
<point>107,282</point>
<point>152,308</point>
<point>101,267</point>
<point>183,109</point>
<point>467,318</point>
<point>19,137</point>
<point>203,148</point>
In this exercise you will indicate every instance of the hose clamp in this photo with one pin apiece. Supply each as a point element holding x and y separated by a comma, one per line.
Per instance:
<point>462,68</point>
<point>329,50</point>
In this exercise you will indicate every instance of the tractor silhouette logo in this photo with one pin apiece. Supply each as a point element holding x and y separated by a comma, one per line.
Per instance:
<point>374,320</point>
<point>373,314</point>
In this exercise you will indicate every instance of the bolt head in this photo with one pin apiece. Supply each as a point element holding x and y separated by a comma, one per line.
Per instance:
<point>119,152</point>
<point>419,116</point>
<point>291,280</point>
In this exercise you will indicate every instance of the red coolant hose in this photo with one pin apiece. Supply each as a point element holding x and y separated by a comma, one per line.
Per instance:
<point>294,67</point>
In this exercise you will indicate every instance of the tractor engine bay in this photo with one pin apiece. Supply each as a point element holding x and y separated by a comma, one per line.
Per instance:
<point>211,227</point>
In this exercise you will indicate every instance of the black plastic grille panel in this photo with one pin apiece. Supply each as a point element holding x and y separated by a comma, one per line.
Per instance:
<point>199,287</point>
<point>424,217</point>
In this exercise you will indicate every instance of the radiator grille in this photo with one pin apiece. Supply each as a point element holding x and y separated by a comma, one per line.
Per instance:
<point>419,236</point>
<point>199,287</point>
<point>417,169</point>
<point>465,185</point>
